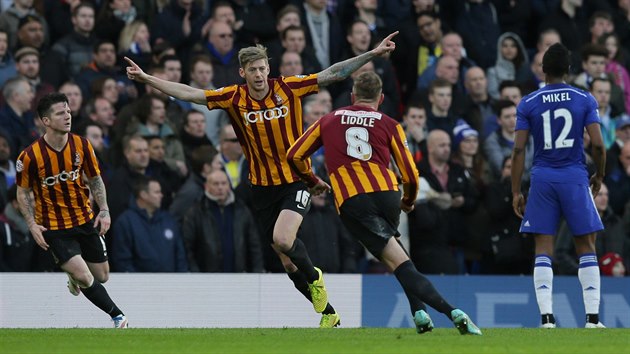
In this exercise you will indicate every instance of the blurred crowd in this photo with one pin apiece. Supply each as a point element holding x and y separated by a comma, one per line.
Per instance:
<point>176,178</point>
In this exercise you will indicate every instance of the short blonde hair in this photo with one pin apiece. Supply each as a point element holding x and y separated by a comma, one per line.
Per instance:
<point>251,54</point>
<point>367,86</point>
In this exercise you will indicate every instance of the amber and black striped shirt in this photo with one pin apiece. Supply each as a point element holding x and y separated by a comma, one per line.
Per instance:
<point>56,178</point>
<point>266,128</point>
<point>358,146</point>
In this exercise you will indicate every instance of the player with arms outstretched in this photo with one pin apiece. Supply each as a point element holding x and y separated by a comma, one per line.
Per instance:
<point>556,116</point>
<point>358,144</point>
<point>267,117</point>
<point>55,203</point>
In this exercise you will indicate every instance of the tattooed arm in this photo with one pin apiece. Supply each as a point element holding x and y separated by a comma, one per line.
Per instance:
<point>27,208</point>
<point>342,70</point>
<point>97,187</point>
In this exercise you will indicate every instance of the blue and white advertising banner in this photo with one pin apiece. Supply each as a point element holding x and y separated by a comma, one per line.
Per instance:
<point>495,301</point>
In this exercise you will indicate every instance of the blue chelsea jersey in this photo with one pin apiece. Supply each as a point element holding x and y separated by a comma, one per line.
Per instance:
<point>556,116</point>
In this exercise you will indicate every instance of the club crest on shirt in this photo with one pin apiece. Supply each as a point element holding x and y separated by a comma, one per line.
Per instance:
<point>77,159</point>
<point>19,166</point>
<point>278,99</point>
<point>168,234</point>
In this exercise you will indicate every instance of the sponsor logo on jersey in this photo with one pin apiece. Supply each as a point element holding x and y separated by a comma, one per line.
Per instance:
<point>64,176</point>
<point>254,117</point>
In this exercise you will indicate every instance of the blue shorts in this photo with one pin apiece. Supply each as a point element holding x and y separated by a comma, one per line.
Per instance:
<point>548,202</point>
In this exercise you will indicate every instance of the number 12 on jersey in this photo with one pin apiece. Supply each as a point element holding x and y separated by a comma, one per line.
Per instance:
<point>562,141</point>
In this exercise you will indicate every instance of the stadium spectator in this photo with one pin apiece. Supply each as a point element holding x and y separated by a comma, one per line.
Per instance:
<point>220,233</point>
<point>510,90</point>
<point>100,111</point>
<point>447,69</point>
<point>323,31</point>
<point>418,53</point>
<point>512,63</point>
<point>594,57</point>
<point>570,21</point>
<point>193,135</point>
<point>478,104</point>
<point>159,169</point>
<point>219,46</point>
<point>611,239</point>
<point>75,49</point>
<point>151,120</point>
<point>16,244</point>
<point>289,15</point>
<point>7,166</point>
<point>615,65</point>
<point>499,144</point>
<point>201,76</point>
<point>452,46</point>
<point>75,100</point>
<point>415,124</point>
<point>290,64</point>
<point>506,250</point>
<point>477,23</point>
<point>27,64</point>
<point>192,189</point>
<point>536,78</point>
<point>135,42</point>
<point>618,180</point>
<point>441,98</point>
<point>600,23</point>
<point>103,64</point>
<point>147,238</point>
<point>7,63</point>
<point>112,18</point>
<point>10,19</point>
<point>600,89</point>
<point>16,116</point>
<point>293,39</point>
<point>622,137</point>
<point>428,223</point>
<point>179,23</point>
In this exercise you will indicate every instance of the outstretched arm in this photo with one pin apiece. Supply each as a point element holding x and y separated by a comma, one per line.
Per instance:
<point>342,70</point>
<point>173,89</point>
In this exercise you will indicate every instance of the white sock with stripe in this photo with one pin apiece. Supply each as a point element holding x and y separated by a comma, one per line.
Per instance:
<point>543,283</point>
<point>588,273</point>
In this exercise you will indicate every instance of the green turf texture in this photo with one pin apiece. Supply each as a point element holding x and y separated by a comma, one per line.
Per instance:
<point>302,340</point>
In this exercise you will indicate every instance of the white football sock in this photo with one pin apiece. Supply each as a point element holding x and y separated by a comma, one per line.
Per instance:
<point>588,273</point>
<point>543,283</point>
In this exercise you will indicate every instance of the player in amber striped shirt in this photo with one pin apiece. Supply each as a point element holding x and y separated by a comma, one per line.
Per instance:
<point>267,117</point>
<point>358,141</point>
<point>55,203</point>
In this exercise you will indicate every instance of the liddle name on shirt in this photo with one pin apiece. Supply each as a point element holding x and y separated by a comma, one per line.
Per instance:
<point>556,97</point>
<point>362,118</point>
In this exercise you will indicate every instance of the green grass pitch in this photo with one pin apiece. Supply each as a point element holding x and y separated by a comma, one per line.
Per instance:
<point>302,340</point>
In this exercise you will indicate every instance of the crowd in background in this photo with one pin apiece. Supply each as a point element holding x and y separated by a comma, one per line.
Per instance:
<point>176,178</point>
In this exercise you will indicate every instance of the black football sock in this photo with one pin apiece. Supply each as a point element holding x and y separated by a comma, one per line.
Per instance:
<point>592,318</point>
<point>299,257</point>
<point>300,283</point>
<point>421,288</point>
<point>99,297</point>
<point>548,318</point>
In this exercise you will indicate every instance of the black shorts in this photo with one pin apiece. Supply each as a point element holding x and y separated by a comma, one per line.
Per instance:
<point>372,218</point>
<point>269,201</point>
<point>83,240</point>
